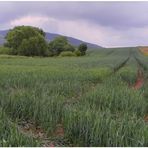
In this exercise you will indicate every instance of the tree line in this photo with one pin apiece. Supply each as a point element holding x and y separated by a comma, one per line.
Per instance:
<point>31,41</point>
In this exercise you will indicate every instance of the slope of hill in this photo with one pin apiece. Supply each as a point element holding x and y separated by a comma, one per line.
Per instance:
<point>2,36</point>
<point>2,40</point>
<point>51,36</point>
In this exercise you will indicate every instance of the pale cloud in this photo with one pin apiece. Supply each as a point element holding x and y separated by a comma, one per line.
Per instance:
<point>78,29</point>
<point>87,31</point>
<point>30,20</point>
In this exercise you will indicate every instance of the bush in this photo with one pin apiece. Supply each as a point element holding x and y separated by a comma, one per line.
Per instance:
<point>77,53</point>
<point>67,54</point>
<point>69,47</point>
<point>60,44</point>
<point>57,45</point>
<point>5,50</point>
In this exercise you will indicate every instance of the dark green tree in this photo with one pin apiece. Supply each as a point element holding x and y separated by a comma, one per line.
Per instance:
<point>23,35</point>
<point>82,48</point>
<point>60,44</point>
<point>34,46</point>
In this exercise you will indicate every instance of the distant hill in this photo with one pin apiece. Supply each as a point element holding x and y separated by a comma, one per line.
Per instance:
<point>51,36</point>
<point>2,40</point>
<point>2,36</point>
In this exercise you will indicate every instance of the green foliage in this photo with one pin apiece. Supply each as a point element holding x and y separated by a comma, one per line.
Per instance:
<point>77,52</point>
<point>5,50</point>
<point>60,44</point>
<point>67,54</point>
<point>69,47</point>
<point>57,45</point>
<point>34,46</point>
<point>22,37</point>
<point>82,48</point>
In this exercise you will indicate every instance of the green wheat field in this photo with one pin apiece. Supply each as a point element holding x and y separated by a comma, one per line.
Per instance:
<point>74,101</point>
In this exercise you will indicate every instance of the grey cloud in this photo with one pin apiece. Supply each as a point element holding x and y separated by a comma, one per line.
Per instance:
<point>118,19</point>
<point>119,15</point>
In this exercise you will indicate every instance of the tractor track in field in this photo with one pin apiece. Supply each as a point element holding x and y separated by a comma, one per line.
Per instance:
<point>30,129</point>
<point>117,68</point>
<point>109,52</point>
<point>139,79</point>
<point>140,75</point>
<point>139,83</point>
<point>114,70</point>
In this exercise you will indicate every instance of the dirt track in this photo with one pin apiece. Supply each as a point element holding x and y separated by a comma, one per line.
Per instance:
<point>31,130</point>
<point>140,79</point>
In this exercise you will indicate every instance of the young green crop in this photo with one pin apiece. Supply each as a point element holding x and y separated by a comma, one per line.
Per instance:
<point>11,136</point>
<point>111,115</point>
<point>95,105</point>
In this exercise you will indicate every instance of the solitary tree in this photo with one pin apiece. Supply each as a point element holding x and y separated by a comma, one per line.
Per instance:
<point>82,48</point>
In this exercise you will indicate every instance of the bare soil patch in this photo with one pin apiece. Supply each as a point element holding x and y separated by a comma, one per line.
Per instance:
<point>140,80</point>
<point>144,50</point>
<point>146,118</point>
<point>29,129</point>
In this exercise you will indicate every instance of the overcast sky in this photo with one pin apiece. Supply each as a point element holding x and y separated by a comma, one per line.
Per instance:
<point>109,24</point>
